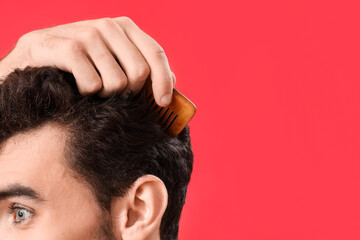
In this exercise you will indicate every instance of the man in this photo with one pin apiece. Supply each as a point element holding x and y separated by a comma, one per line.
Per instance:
<point>88,167</point>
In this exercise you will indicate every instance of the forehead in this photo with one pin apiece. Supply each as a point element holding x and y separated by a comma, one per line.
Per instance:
<point>35,158</point>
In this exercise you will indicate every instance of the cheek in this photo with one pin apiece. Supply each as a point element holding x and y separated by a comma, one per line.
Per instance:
<point>65,226</point>
<point>54,225</point>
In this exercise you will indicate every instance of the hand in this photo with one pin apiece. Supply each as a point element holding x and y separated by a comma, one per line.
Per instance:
<point>105,55</point>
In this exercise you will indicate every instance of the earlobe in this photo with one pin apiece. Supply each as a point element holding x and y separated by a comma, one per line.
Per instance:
<point>138,214</point>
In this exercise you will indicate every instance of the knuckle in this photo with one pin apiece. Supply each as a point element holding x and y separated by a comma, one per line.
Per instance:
<point>91,33</point>
<point>141,72</point>
<point>173,78</point>
<point>159,50</point>
<point>160,53</point>
<point>91,88</point>
<point>75,47</point>
<point>105,22</point>
<point>102,56</point>
<point>118,85</point>
<point>168,78</point>
<point>125,20</point>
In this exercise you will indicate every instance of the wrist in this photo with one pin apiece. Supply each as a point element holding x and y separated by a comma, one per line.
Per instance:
<point>13,60</point>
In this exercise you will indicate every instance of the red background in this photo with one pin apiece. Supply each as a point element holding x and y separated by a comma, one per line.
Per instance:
<point>277,133</point>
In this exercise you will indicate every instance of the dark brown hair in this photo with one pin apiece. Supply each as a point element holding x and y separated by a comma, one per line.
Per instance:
<point>113,141</point>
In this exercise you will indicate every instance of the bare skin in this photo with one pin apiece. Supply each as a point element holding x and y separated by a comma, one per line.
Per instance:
<point>61,206</point>
<point>106,56</point>
<point>23,160</point>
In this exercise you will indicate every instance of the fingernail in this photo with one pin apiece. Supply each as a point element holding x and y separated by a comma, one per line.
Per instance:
<point>166,99</point>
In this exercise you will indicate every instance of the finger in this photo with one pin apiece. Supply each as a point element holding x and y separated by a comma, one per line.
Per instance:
<point>77,62</point>
<point>174,78</point>
<point>131,60</point>
<point>153,53</point>
<point>113,78</point>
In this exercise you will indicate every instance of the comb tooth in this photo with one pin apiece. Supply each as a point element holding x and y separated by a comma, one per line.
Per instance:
<point>153,106</point>
<point>161,118</point>
<point>153,102</point>
<point>160,110</point>
<point>172,121</point>
<point>149,96</point>
<point>149,99</point>
<point>150,103</point>
<point>167,119</point>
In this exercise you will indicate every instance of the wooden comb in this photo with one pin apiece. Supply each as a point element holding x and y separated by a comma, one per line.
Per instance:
<point>175,116</point>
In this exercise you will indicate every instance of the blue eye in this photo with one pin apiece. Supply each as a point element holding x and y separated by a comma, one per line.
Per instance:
<point>20,214</point>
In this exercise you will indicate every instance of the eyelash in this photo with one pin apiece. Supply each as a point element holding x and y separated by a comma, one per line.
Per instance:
<point>12,210</point>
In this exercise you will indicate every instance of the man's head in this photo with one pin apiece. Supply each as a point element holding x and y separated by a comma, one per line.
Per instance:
<point>74,167</point>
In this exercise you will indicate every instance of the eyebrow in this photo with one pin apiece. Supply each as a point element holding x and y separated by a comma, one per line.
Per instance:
<point>17,190</point>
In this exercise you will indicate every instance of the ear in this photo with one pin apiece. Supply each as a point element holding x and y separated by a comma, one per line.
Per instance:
<point>138,214</point>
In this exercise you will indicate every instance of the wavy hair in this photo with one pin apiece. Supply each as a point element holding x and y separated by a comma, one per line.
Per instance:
<point>112,141</point>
